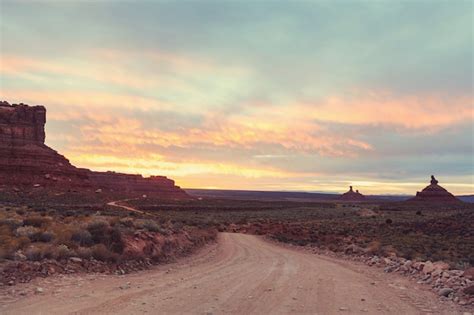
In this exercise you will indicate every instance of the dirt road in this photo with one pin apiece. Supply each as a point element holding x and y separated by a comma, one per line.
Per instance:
<point>118,205</point>
<point>242,274</point>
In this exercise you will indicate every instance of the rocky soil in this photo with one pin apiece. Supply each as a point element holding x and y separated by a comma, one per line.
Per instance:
<point>449,284</point>
<point>242,274</point>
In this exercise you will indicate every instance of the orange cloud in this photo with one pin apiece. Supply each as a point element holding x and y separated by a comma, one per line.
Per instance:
<point>418,112</point>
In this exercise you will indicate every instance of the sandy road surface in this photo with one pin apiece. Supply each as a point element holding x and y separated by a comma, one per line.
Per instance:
<point>118,205</point>
<point>242,274</point>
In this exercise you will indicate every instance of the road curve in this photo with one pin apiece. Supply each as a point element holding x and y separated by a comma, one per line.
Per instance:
<point>118,205</point>
<point>242,274</point>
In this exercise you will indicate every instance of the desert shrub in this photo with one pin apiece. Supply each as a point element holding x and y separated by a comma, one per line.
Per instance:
<point>84,252</point>
<point>26,231</point>
<point>97,225</point>
<point>149,225</point>
<point>34,253</point>
<point>20,212</point>
<point>127,222</point>
<point>63,252</point>
<point>40,236</point>
<point>9,244</point>
<point>69,213</point>
<point>114,221</point>
<point>390,250</point>
<point>177,226</point>
<point>63,234</point>
<point>373,247</point>
<point>100,252</point>
<point>37,221</point>
<point>389,221</point>
<point>115,240</point>
<point>22,242</point>
<point>82,237</point>
<point>5,253</point>
<point>11,223</point>
<point>98,230</point>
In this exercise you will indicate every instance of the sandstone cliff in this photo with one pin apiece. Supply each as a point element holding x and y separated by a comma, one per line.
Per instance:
<point>352,195</point>
<point>435,193</point>
<point>25,160</point>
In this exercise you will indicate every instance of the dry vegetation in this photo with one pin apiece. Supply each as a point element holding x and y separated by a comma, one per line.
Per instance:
<point>410,231</point>
<point>111,239</point>
<point>86,230</point>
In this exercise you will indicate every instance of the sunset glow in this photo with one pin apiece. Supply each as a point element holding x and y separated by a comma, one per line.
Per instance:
<point>270,96</point>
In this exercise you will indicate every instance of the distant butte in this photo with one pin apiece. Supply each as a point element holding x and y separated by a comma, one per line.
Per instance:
<point>435,193</point>
<point>25,160</point>
<point>352,195</point>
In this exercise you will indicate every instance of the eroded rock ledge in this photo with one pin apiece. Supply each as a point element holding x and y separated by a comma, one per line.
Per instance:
<point>27,162</point>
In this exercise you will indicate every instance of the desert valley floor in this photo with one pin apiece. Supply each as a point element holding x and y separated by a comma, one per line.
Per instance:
<point>240,274</point>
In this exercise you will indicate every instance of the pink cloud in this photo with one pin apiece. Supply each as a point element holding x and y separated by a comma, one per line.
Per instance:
<point>426,112</point>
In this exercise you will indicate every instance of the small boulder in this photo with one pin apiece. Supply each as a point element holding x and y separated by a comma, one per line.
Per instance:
<point>75,259</point>
<point>428,267</point>
<point>353,249</point>
<point>19,256</point>
<point>469,290</point>
<point>469,273</point>
<point>441,265</point>
<point>445,291</point>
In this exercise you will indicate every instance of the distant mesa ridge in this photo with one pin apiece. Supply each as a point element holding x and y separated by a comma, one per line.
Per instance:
<point>25,160</point>
<point>435,193</point>
<point>352,195</point>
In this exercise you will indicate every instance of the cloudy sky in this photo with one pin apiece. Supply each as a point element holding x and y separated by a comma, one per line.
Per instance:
<point>266,95</point>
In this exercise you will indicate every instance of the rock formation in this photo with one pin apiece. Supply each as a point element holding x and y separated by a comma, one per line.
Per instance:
<point>435,193</point>
<point>352,195</point>
<point>25,160</point>
<point>159,185</point>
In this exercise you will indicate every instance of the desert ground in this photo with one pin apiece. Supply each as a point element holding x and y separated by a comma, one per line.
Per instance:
<point>144,255</point>
<point>240,274</point>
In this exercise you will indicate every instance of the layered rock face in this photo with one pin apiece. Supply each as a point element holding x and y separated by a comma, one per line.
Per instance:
<point>352,195</point>
<point>435,193</point>
<point>25,160</point>
<point>153,186</point>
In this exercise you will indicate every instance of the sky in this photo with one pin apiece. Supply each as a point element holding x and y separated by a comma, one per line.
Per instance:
<point>258,95</point>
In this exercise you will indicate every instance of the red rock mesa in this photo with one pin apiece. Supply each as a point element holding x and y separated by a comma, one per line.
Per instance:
<point>352,195</point>
<point>435,193</point>
<point>25,160</point>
